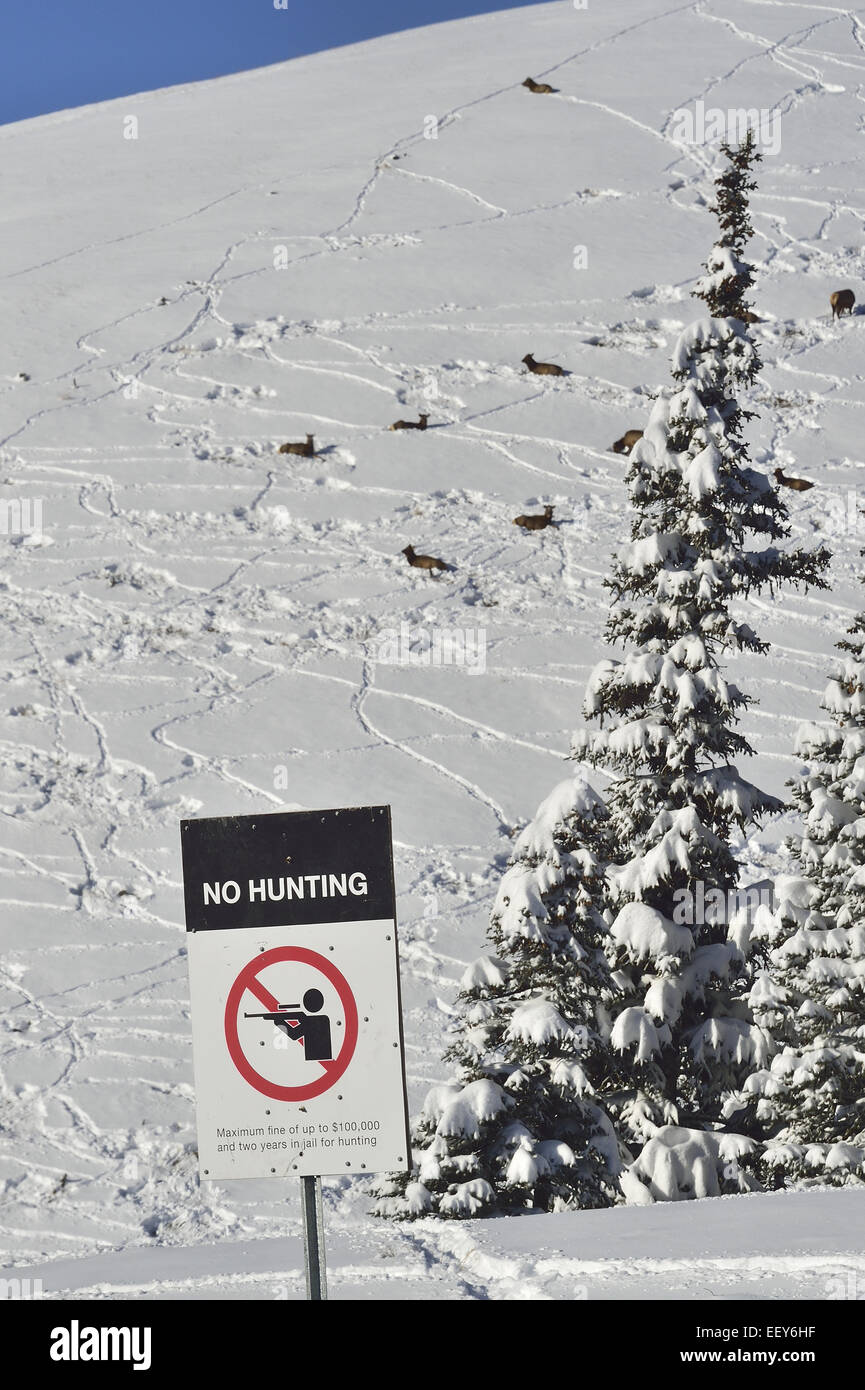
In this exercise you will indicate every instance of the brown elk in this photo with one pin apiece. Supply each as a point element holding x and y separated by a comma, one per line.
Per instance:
<point>535,523</point>
<point>841,300</point>
<point>419,424</point>
<point>423,562</point>
<point>627,442</point>
<point>798,484</point>
<point>306,450</point>
<point>543,368</point>
<point>541,87</point>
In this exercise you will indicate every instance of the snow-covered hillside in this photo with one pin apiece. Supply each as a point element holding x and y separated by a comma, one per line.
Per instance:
<point>193,277</point>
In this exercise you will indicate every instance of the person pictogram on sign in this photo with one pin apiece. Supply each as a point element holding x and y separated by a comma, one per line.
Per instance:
<point>305,1027</point>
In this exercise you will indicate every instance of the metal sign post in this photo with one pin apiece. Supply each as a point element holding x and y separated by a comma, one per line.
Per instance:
<point>313,1239</point>
<point>296,1017</point>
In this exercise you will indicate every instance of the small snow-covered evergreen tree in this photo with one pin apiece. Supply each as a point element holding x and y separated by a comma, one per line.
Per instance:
<point>522,1127</point>
<point>728,277</point>
<point>811,1099</point>
<point>707,531</point>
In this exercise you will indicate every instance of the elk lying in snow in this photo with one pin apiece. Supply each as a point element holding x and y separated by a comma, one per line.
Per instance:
<point>543,368</point>
<point>534,86</point>
<point>841,300</point>
<point>798,484</point>
<point>535,523</point>
<point>627,442</point>
<point>423,562</point>
<point>419,424</point>
<point>307,450</point>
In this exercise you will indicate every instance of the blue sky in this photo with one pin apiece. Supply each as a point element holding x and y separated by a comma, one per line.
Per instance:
<point>60,53</point>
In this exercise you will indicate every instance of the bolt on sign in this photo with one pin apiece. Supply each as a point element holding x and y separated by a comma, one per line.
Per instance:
<point>294,981</point>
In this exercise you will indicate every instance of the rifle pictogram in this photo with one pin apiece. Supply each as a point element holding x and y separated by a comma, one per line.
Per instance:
<point>305,1024</point>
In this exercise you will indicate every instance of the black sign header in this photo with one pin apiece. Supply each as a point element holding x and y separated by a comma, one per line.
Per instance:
<point>288,868</point>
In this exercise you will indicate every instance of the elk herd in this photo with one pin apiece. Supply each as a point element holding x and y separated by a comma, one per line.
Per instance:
<point>841,302</point>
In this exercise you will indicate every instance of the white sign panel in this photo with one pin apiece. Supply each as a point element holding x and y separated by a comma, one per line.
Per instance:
<point>296,1027</point>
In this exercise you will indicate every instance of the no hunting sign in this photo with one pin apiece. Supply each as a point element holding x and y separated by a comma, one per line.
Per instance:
<point>294,980</point>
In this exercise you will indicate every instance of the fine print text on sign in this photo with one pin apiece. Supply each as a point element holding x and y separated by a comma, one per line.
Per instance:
<point>294,979</point>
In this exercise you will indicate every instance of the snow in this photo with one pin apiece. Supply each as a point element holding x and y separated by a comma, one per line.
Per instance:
<point>574,794</point>
<point>730,1040</point>
<point>485,971</point>
<point>463,1113</point>
<point>570,1076</point>
<point>194,632</point>
<point>537,1021</point>
<point>673,849</point>
<point>652,551</point>
<point>467,1198</point>
<point>634,1028</point>
<point>526,1166</point>
<point>703,474</point>
<point>721,263</point>
<point>646,934</point>
<point>519,904</point>
<point>683,1164</point>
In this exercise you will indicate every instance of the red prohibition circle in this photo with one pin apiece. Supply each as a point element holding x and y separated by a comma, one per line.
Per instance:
<point>333,1070</point>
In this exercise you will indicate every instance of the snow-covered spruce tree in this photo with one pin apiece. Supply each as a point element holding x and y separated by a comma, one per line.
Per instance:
<point>728,278</point>
<point>812,995</point>
<point>521,1127</point>
<point>707,531</point>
